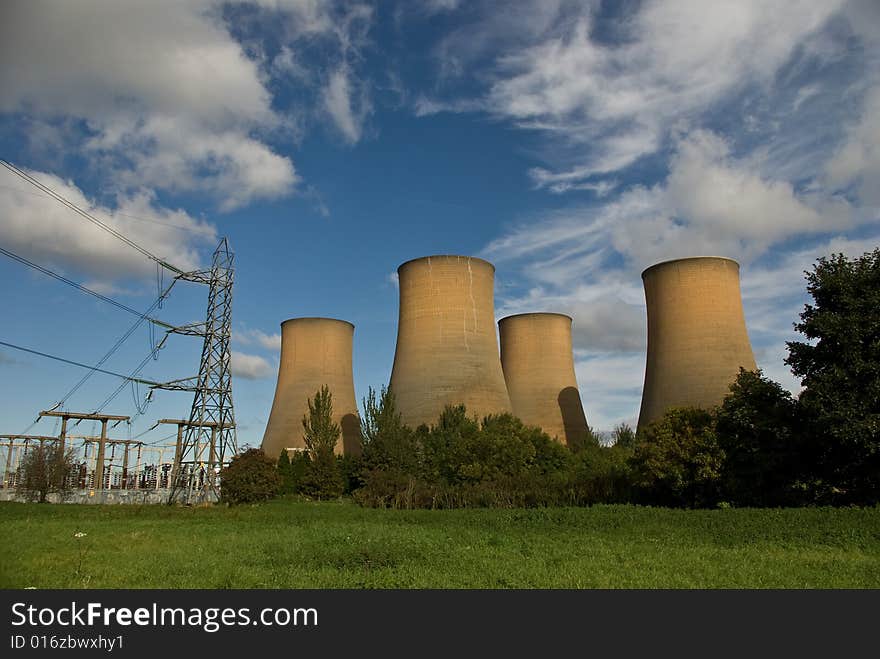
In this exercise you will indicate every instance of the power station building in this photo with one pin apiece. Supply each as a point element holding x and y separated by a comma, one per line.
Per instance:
<point>447,349</point>
<point>697,338</point>
<point>538,364</point>
<point>314,352</point>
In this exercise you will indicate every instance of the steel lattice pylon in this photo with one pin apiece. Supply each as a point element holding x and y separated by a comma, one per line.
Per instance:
<point>210,437</point>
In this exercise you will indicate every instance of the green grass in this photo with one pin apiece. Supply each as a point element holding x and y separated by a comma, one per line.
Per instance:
<point>291,544</point>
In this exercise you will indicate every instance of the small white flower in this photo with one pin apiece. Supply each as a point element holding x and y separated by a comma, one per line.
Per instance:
<point>79,534</point>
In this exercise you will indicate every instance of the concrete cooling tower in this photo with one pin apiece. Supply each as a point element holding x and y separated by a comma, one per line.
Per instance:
<point>447,350</point>
<point>314,352</point>
<point>538,363</point>
<point>697,337</point>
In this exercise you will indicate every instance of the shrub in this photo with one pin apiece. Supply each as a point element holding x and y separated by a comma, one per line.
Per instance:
<point>292,467</point>
<point>601,474</point>
<point>350,468</point>
<point>250,477</point>
<point>677,461</point>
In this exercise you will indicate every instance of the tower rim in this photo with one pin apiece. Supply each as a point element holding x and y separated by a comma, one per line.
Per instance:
<point>440,256</point>
<point>689,258</point>
<point>535,313</point>
<point>335,320</point>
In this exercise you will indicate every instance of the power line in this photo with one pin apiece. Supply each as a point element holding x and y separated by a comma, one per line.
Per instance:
<point>118,343</point>
<point>132,378</point>
<point>201,232</point>
<point>70,282</point>
<point>91,218</point>
<point>68,361</point>
<point>141,434</point>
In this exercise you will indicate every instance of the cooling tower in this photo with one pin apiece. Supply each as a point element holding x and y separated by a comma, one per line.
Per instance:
<point>314,352</point>
<point>447,350</point>
<point>697,337</point>
<point>538,364</point>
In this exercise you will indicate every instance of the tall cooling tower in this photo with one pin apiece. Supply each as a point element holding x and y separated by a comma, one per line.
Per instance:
<point>314,352</point>
<point>447,350</point>
<point>697,337</point>
<point>538,363</point>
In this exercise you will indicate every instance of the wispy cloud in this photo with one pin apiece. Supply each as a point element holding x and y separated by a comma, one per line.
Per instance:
<point>616,102</point>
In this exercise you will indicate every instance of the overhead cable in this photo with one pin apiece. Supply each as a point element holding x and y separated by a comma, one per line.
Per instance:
<point>91,218</point>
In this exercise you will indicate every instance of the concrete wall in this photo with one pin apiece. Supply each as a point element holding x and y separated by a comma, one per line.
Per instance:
<point>536,355</point>
<point>447,349</point>
<point>100,496</point>
<point>314,352</point>
<point>697,337</point>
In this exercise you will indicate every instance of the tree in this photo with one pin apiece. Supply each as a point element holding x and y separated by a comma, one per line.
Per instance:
<point>756,426</point>
<point>387,442</point>
<point>624,436</point>
<point>840,371</point>
<point>322,479</point>
<point>445,445</point>
<point>584,441</point>
<point>320,432</point>
<point>677,460</point>
<point>284,473</point>
<point>44,470</point>
<point>249,477</point>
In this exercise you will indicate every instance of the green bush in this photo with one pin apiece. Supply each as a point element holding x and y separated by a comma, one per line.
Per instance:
<point>677,460</point>
<point>250,477</point>
<point>602,474</point>
<point>350,468</point>
<point>292,468</point>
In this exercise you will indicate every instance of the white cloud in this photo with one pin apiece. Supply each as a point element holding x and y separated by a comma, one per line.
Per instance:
<point>425,106</point>
<point>258,337</point>
<point>39,228</point>
<point>161,95</point>
<point>169,99</point>
<point>566,181</point>
<point>439,6</point>
<point>250,367</point>
<point>721,197</point>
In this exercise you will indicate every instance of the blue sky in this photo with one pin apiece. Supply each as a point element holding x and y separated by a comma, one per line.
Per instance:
<point>572,144</point>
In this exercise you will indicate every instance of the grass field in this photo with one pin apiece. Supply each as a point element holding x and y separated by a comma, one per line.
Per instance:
<point>291,544</point>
